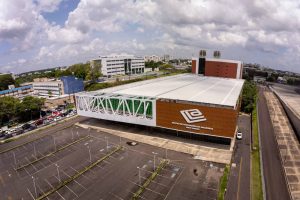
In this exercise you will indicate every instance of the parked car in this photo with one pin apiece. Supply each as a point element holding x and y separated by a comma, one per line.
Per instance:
<point>19,132</point>
<point>26,126</point>
<point>39,122</point>
<point>239,135</point>
<point>8,136</point>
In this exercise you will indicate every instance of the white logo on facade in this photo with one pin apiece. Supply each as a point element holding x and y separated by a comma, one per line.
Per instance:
<point>192,116</point>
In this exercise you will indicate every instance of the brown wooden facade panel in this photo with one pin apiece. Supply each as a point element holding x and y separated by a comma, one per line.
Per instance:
<point>219,122</point>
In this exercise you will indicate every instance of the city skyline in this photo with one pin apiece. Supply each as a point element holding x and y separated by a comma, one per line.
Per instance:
<point>37,35</point>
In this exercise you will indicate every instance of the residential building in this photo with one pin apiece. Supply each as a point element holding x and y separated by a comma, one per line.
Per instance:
<point>120,65</point>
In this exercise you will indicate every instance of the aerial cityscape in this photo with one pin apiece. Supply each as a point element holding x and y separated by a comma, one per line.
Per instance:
<point>149,99</point>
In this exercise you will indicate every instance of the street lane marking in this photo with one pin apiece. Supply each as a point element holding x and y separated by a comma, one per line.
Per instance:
<point>238,192</point>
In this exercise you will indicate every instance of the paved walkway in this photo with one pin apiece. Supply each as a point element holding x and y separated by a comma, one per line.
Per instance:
<point>200,152</point>
<point>288,144</point>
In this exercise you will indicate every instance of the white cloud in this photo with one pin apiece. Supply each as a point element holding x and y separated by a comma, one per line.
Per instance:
<point>258,30</point>
<point>48,5</point>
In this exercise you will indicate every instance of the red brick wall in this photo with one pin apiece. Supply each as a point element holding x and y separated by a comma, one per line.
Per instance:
<point>194,66</point>
<point>221,69</point>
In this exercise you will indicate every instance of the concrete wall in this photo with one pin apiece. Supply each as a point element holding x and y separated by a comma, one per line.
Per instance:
<point>294,120</point>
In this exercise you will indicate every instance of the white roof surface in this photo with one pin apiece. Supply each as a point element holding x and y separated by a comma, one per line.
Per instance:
<point>185,87</point>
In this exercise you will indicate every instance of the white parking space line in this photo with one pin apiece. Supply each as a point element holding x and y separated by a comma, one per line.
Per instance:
<point>30,194</point>
<point>27,171</point>
<point>153,181</point>
<point>149,189</point>
<point>40,189</point>
<point>74,180</point>
<point>31,164</point>
<point>53,187</point>
<point>68,187</point>
<point>116,196</point>
<point>81,174</point>
<point>142,197</point>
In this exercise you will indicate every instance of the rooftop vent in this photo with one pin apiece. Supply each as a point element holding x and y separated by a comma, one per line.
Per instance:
<point>217,54</point>
<point>202,53</point>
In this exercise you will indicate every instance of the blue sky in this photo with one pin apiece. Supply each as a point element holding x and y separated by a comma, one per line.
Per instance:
<point>38,34</point>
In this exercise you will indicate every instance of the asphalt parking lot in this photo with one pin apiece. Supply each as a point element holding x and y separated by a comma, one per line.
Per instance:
<point>32,169</point>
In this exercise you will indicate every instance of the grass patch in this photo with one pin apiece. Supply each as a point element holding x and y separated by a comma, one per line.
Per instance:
<point>223,183</point>
<point>256,187</point>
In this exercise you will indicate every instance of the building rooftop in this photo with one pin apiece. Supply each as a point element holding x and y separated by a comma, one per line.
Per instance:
<point>15,89</point>
<point>183,87</point>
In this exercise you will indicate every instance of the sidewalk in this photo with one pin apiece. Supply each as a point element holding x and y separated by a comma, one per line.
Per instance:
<point>200,152</point>
<point>287,142</point>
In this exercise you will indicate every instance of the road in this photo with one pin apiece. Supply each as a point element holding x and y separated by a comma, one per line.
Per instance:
<point>239,180</point>
<point>275,184</point>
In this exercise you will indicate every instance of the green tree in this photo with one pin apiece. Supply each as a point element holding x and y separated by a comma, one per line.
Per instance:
<point>30,107</point>
<point>5,81</point>
<point>249,95</point>
<point>8,108</point>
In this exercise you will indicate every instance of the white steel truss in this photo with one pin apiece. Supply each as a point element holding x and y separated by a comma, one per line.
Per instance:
<point>131,109</point>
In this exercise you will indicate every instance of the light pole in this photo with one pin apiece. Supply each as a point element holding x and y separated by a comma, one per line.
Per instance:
<point>34,150</point>
<point>58,172</point>
<point>33,179</point>
<point>90,153</point>
<point>72,134</point>
<point>54,144</point>
<point>15,158</point>
<point>166,153</point>
<point>154,156</point>
<point>106,139</point>
<point>139,175</point>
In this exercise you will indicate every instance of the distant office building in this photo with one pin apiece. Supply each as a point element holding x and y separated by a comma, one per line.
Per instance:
<point>166,58</point>
<point>17,92</point>
<point>152,58</point>
<point>54,88</point>
<point>120,65</point>
<point>216,67</point>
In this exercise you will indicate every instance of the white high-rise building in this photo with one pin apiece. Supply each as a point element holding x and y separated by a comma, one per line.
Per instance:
<point>121,64</point>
